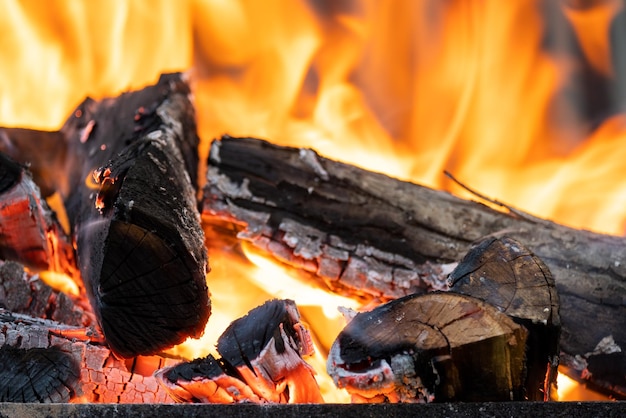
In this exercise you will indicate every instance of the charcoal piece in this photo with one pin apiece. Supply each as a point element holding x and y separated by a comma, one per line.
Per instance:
<point>430,348</point>
<point>37,375</point>
<point>131,201</point>
<point>261,362</point>
<point>265,347</point>
<point>502,272</point>
<point>205,380</point>
<point>23,292</point>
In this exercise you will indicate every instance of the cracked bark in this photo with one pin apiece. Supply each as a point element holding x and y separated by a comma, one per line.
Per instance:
<point>372,236</point>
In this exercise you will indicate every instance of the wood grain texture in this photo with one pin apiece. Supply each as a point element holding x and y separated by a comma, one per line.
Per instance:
<point>374,236</point>
<point>439,347</point>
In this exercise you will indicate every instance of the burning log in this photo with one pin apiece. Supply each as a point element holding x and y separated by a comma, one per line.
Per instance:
<point>128,172</point>
<point>31,233</point>
<point>50,350</point>
<point>367,234</point>
<point>75,360</point>
<point>436,346</point>
<point>261,362</point>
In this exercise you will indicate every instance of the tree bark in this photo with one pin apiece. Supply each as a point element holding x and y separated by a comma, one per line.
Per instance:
<point>370,235</point>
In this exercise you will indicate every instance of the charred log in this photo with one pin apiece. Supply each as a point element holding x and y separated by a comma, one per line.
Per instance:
<point>76,363</point>
<point>260,362</point>
<point>37,375</point>
<point>501,272</point>
<point>433,347</point>
<point>127,172</point>
<point>29,230</point>
<point>367,234</point>
<point>133,210</point>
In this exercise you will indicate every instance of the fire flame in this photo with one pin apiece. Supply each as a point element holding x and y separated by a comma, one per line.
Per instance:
<point>489,91</point>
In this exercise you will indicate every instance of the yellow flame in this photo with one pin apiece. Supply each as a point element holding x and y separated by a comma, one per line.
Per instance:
<point>60,282</point>
<point>571,390</point>
<point>282,282</point>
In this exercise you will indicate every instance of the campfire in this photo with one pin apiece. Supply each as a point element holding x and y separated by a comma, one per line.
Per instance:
<point>307,202</point>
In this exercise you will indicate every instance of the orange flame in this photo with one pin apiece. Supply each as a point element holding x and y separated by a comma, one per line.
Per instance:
<point>410,88</point>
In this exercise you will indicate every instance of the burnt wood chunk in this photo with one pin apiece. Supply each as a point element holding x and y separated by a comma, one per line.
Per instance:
<point>37,375</point>
<point>372,236</point>
<point>502,272</point>
<point>132,164</point>
<point>205,380</point>
<point>261,361</point>
<point>72,363</point>
<point>24,293</point>
<point>430,348</point>
<point>29,230</point>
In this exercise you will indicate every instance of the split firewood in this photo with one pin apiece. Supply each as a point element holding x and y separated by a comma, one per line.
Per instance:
<point>371,236</point>
<point>432,347</point>
<point>503,273</point>
<point>261,361</point>
<point>29,230</point>
<point>47,361</point>
<point>128,183</point>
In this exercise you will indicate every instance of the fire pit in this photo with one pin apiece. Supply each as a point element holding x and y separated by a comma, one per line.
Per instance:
<point>123,173</point>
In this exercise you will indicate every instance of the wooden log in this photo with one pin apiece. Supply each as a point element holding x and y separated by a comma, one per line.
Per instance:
<point>29,230</point>
<point>432,347</point>
<point>503,273</point>
<point>132,162</point>
<point>59,350</point>
<point>367,234</point>
<point>261,361</point>
<point>127,175</point>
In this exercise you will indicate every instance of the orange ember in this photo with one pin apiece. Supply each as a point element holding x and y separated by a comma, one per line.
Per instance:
<point>489,91</point>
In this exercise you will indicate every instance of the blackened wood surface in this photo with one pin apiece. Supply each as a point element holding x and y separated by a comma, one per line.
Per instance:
<point>433,347</point>
<point>132,164</point>
<point>261,361</point>
<point>24,293</point>
<point>29,230</point>
<point>505,274</point>
<point>367,233</point>
<point>102,377</point>
<point>43,151</point>
<point>37,375</point>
